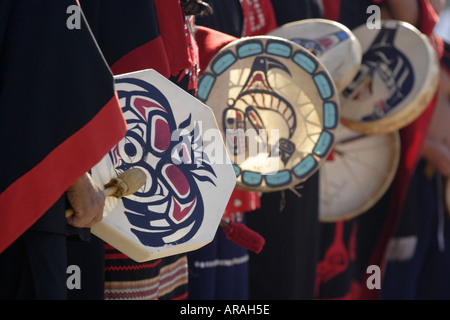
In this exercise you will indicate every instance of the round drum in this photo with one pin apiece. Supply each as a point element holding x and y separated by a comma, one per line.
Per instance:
<point>358,173</point>
<point>332,42</point>
<point>277,108</point>
<point>396,81</point>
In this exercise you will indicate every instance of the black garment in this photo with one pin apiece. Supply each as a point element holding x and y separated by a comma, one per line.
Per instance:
<point>420,271</point>
<point>286,267</point>
<point>114,25</point>
<point>350,14</point>
<point>34,266</point>
<point>229,20</point>
<point>54,85</point>
<point>89,256</point>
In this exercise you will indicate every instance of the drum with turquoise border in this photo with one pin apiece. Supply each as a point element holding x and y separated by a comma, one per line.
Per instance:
<point>277,107</point>
<point>331,42</point>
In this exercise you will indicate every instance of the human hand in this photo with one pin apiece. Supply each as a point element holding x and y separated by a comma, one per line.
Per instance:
<point>87,201</point>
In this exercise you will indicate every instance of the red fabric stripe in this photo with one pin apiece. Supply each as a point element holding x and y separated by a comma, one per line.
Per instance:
<point>171,27</point>
<point>131,295</point>
<point>138,59</point>
<point>428,17</point>
<point>27,199</point>
<point>332,9</point>
<point>137,266</point>
<point>116,256</point>
<point>181,297</point>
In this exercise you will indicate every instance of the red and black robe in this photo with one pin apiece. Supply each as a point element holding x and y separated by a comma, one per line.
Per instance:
<point>59,111</point>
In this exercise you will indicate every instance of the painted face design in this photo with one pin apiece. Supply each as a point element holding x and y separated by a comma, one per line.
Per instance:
<point>384,67</point>
<point>169,208</point>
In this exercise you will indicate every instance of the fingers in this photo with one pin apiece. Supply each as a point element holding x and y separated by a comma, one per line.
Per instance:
<point>85,219</point>
<point>87,201</point>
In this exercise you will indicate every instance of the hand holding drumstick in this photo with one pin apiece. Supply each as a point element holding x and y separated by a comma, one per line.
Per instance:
<point>88,200</point>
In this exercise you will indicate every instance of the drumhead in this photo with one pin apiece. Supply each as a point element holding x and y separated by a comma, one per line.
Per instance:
<point>332,43</point>
<point>174,139</point>
<point>396,81</point>
<point>358,175</point>
<point>277,108</point>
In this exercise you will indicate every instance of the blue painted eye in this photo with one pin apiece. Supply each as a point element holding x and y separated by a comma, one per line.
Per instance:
<point>130,149</point>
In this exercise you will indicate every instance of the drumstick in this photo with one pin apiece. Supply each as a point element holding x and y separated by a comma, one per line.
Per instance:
<point>126,183</point>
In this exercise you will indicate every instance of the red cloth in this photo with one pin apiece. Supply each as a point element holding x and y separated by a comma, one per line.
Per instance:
<point>210,41</point>
<point>332,9</point>
<point>428,17</point>
<point>259,17</point>
<point>171,28</point>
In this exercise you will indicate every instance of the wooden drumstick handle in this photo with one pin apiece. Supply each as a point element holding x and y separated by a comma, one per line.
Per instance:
<point>126,183</point>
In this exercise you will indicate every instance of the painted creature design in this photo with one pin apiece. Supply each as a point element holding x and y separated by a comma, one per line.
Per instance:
<point>391,66</point>
<point>255,98</point>
<point>169,209</point>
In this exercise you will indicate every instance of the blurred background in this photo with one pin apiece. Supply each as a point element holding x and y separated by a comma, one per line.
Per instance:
<point>443,27</point>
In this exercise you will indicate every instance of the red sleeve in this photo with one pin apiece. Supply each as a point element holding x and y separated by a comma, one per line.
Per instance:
<point>332,9</point>
<point>171,28</point>
<point>210,41</point>
<point>259,17</point>
<point>428,17</point>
